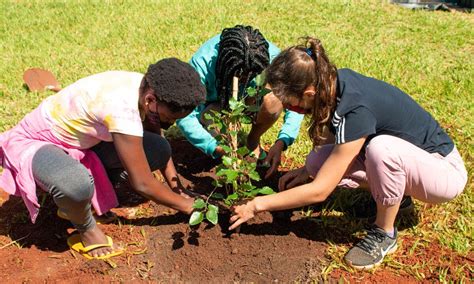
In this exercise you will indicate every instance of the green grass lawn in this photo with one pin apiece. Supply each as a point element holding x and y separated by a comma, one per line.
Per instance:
<point>430,55</point>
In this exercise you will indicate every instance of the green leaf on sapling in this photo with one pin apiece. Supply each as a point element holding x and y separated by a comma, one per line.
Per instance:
<point>230,174</point>
<point>251,91</point>
<point>232,196</point>
<point>245,119</point>
<point>230,199</point>
<point>208,116</point>
<point>251,193</point>
<point>247,186</point>
<point>199,204</point>
<point>226,148</point>
<point>226,160</point>
<point>236,105</point>
<point>216,126</point>
<point>260,79</point>
<point>196,218</point>
<point>254,175</point>
<point>266,190</point>
<point>242,151</point>
<point>211,214</point>
<point>233,104</point>
<point>217,196</point>
<point>237,112</point>
<point>250,166</point>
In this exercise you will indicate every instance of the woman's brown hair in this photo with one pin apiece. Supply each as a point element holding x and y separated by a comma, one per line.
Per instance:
<point>299,67</point>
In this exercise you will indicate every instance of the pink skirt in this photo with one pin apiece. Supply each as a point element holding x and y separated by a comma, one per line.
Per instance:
<point>17,148</point>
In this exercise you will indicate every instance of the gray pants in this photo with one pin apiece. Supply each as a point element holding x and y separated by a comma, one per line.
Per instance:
<point>71,185</point>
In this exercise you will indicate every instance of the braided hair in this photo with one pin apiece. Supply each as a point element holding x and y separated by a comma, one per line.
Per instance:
<point>243,52</point>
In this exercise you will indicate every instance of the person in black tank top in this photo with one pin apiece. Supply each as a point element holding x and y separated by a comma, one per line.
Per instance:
<point>366,132</point>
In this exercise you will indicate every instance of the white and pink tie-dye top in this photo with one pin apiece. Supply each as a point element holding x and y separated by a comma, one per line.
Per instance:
<point>89,110</point>
<point>75,119</point>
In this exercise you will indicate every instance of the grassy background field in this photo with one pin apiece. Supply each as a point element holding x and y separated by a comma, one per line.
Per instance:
<point>430,55</point>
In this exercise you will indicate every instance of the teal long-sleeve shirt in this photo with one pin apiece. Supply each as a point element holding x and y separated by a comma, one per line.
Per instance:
<point>204,62</point>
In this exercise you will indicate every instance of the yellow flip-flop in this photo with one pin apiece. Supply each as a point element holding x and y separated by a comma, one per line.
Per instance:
<point>75,243</point>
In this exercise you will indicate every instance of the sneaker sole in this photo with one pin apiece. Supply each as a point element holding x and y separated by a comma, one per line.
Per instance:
<point>368,267</point>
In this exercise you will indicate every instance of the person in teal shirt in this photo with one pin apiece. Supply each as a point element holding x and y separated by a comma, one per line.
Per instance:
<point>243,52</point>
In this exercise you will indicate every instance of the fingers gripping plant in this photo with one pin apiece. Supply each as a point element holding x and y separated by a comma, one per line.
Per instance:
<point>237,171</point>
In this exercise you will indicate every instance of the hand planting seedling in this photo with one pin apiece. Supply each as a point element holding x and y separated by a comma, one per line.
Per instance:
<point>236,172</point>
<point>203,210</point>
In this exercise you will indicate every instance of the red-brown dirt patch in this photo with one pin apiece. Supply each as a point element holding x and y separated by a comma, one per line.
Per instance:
<point>161,246</point>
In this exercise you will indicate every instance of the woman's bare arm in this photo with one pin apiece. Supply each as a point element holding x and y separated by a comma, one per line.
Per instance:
<point>318,190</point>
<point>132,155</point>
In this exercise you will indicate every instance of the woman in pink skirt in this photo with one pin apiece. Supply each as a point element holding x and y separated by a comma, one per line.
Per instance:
<point>96,131</point>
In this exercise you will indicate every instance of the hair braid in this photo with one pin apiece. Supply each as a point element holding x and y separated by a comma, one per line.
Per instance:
<point>243,51</point>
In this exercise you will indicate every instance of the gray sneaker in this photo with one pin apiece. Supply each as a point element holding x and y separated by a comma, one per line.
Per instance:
<point>372,249</point>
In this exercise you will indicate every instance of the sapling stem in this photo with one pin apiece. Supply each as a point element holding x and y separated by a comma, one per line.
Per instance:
<point>212,192</point>
<point>235,173</point>
<point>233,127</point>
<point>235,87</point>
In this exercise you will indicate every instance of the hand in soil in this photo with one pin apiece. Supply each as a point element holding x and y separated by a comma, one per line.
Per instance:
<point>188,206</point>
<point>293,178</point>
<point>186,193</point>
<point>273,158</point>
<point>96,236</point>
<point>242,213</point>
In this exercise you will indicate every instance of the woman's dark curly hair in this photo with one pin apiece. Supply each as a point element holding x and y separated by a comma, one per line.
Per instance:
<point>242,51</point>
<point>174,83</point>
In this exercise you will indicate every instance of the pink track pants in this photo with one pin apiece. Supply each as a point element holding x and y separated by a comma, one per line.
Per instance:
<point>394,167</point>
